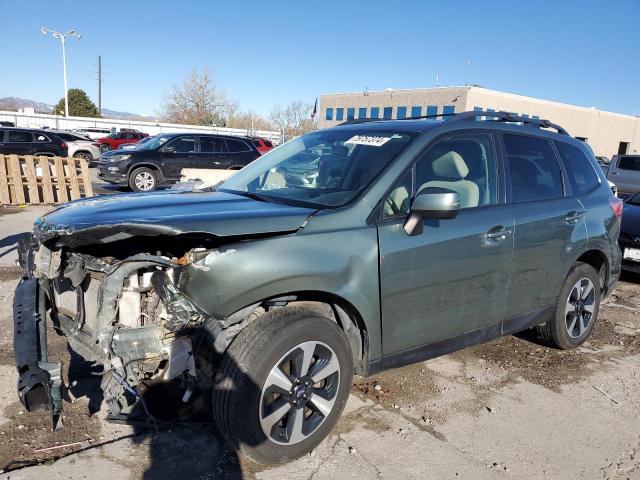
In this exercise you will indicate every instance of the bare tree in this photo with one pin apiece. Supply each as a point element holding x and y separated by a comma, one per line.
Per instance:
<point>197,102</point>
<point>293,119</point>
<point>249,121</point>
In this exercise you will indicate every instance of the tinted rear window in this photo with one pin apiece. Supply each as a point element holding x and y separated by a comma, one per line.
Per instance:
<point>237,145</point>
<point>582,176</point>
<point>19,137</point>
<point>212,144</point>
<point>533,168</point>
<point>629,163</point>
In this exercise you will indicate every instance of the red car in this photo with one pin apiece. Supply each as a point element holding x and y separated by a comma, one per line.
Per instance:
<point>262,144</point>
<point>114,140</point>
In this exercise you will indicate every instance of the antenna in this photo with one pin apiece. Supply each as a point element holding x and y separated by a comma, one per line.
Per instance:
<point>468,72</point>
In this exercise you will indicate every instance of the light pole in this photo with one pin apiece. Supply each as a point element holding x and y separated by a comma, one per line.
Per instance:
<point>62,36</point>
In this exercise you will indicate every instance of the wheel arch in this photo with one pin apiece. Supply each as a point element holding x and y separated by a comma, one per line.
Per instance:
<point>150,165</point>
<point>329,305</point>
<point>599,261</point>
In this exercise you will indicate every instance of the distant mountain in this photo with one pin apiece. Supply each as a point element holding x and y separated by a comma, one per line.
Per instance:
<point>15,103</point>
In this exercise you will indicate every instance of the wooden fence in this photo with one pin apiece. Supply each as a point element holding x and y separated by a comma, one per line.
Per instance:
<point>43,180</point>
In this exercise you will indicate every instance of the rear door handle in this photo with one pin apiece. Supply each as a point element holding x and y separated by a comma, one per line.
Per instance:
<point>499,233</point>
<point>573,217</point>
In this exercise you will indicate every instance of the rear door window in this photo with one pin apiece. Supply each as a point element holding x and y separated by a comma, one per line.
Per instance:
<point>212,145</point>
<point>534,171</point>
<point>184,144</point>
<point>237,146</point>
<point>582,176</point>
<point>19,137</point>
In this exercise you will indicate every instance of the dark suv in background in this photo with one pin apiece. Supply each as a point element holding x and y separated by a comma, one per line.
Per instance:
<point>161,159</point>
<point>27,141</point>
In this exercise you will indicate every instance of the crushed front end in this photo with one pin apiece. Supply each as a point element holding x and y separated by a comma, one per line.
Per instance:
<point>122,309</point>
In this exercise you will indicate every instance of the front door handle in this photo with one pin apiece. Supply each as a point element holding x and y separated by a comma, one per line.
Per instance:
<point>614,173</point>
<point>499,234</point>
<point>573,217</point>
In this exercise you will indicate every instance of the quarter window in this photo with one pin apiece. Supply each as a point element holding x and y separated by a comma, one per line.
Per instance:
<point>582,176</point>
<point>463,163</point>
<point>396,204</point>
<point>533,169</point>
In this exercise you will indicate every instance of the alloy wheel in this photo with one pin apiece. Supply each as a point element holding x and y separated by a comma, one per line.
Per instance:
<point>144,181</point>
<point>579,308</point>
<point>299,393</point>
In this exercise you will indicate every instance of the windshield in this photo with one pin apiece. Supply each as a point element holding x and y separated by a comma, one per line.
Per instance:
<point>153,142</point>
<point>327,168</point>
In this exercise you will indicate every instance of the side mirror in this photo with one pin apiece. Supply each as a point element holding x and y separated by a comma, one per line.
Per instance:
<point>432,203</point>
<point>169,149</point>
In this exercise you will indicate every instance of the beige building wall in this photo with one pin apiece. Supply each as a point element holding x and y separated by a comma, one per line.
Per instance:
<point>602,130</point>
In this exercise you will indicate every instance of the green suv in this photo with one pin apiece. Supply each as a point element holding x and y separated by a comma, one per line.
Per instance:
<point>354,249</point>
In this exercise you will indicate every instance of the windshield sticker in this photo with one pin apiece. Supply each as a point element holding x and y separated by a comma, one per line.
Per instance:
<point>368,140</point>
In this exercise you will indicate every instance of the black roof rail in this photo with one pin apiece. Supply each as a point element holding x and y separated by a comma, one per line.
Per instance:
<point>507,117</point>
<point>462,116</point>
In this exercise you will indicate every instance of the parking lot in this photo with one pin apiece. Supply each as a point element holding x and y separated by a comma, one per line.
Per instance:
<point>510,408</point>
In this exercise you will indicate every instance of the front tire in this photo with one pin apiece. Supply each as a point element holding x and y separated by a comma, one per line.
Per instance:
<point>282,385</point>
<point>576,310</point>
<point>143,179</point>
<point>84,156</point>
<point>105,147</point>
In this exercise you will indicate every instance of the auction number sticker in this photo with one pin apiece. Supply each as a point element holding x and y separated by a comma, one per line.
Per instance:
<point>370,140</point>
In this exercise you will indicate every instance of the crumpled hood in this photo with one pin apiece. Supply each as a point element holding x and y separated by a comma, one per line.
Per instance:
<point>110,218</point>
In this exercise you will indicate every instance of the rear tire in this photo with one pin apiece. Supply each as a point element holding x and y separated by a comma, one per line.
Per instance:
<point>84,156</point>
<point>143,179</point>
<point>264,401</point>
<point>576,310</point>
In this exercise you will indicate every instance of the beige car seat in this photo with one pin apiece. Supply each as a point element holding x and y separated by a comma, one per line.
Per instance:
<point>451,171</point>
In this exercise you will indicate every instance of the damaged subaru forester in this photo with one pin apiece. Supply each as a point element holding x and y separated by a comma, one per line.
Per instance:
<point>358,248</point>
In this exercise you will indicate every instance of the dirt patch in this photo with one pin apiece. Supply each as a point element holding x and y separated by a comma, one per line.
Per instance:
<point>10,273</point>
<point>26,432</point>
<point>10,210</point>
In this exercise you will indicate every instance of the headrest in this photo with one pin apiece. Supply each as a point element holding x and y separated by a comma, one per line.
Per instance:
<point>450,165</point>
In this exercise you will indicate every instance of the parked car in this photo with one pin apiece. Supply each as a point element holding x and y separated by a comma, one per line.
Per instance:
<point>603,160</point>
<point>131,146</point>
<point>160,160</point>
<point>113,141</point>
<point>263,296</point>
<point>624,171</point>
<point>26,141</point>
<point>262,144</point>
<point>80,146</point>
<point>93,133</point>
<point>630,234</point>
<point>5,123</point>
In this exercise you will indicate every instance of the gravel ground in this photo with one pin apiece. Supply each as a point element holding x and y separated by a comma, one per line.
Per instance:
<point>510,408</point>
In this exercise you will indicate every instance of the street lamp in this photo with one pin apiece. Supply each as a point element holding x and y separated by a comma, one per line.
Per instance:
<point>62,36</point>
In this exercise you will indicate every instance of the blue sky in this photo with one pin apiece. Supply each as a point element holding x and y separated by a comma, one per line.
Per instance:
<point>264,53</point>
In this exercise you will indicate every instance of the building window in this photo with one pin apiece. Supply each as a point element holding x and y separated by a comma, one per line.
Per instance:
<point>536,117</point>
<point>328,115</point>
<point>524,115</point>
<point>432,110</point>
<point>362,112</point>
<point>490,110</point>
<point>387,112</point>
<point>339,113</point>
<point>478,109</point>
<point>401,112</point>
<point>375,112</point>
<point>351,113</point>
<point>416,111</point>
<point>449,109</point>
